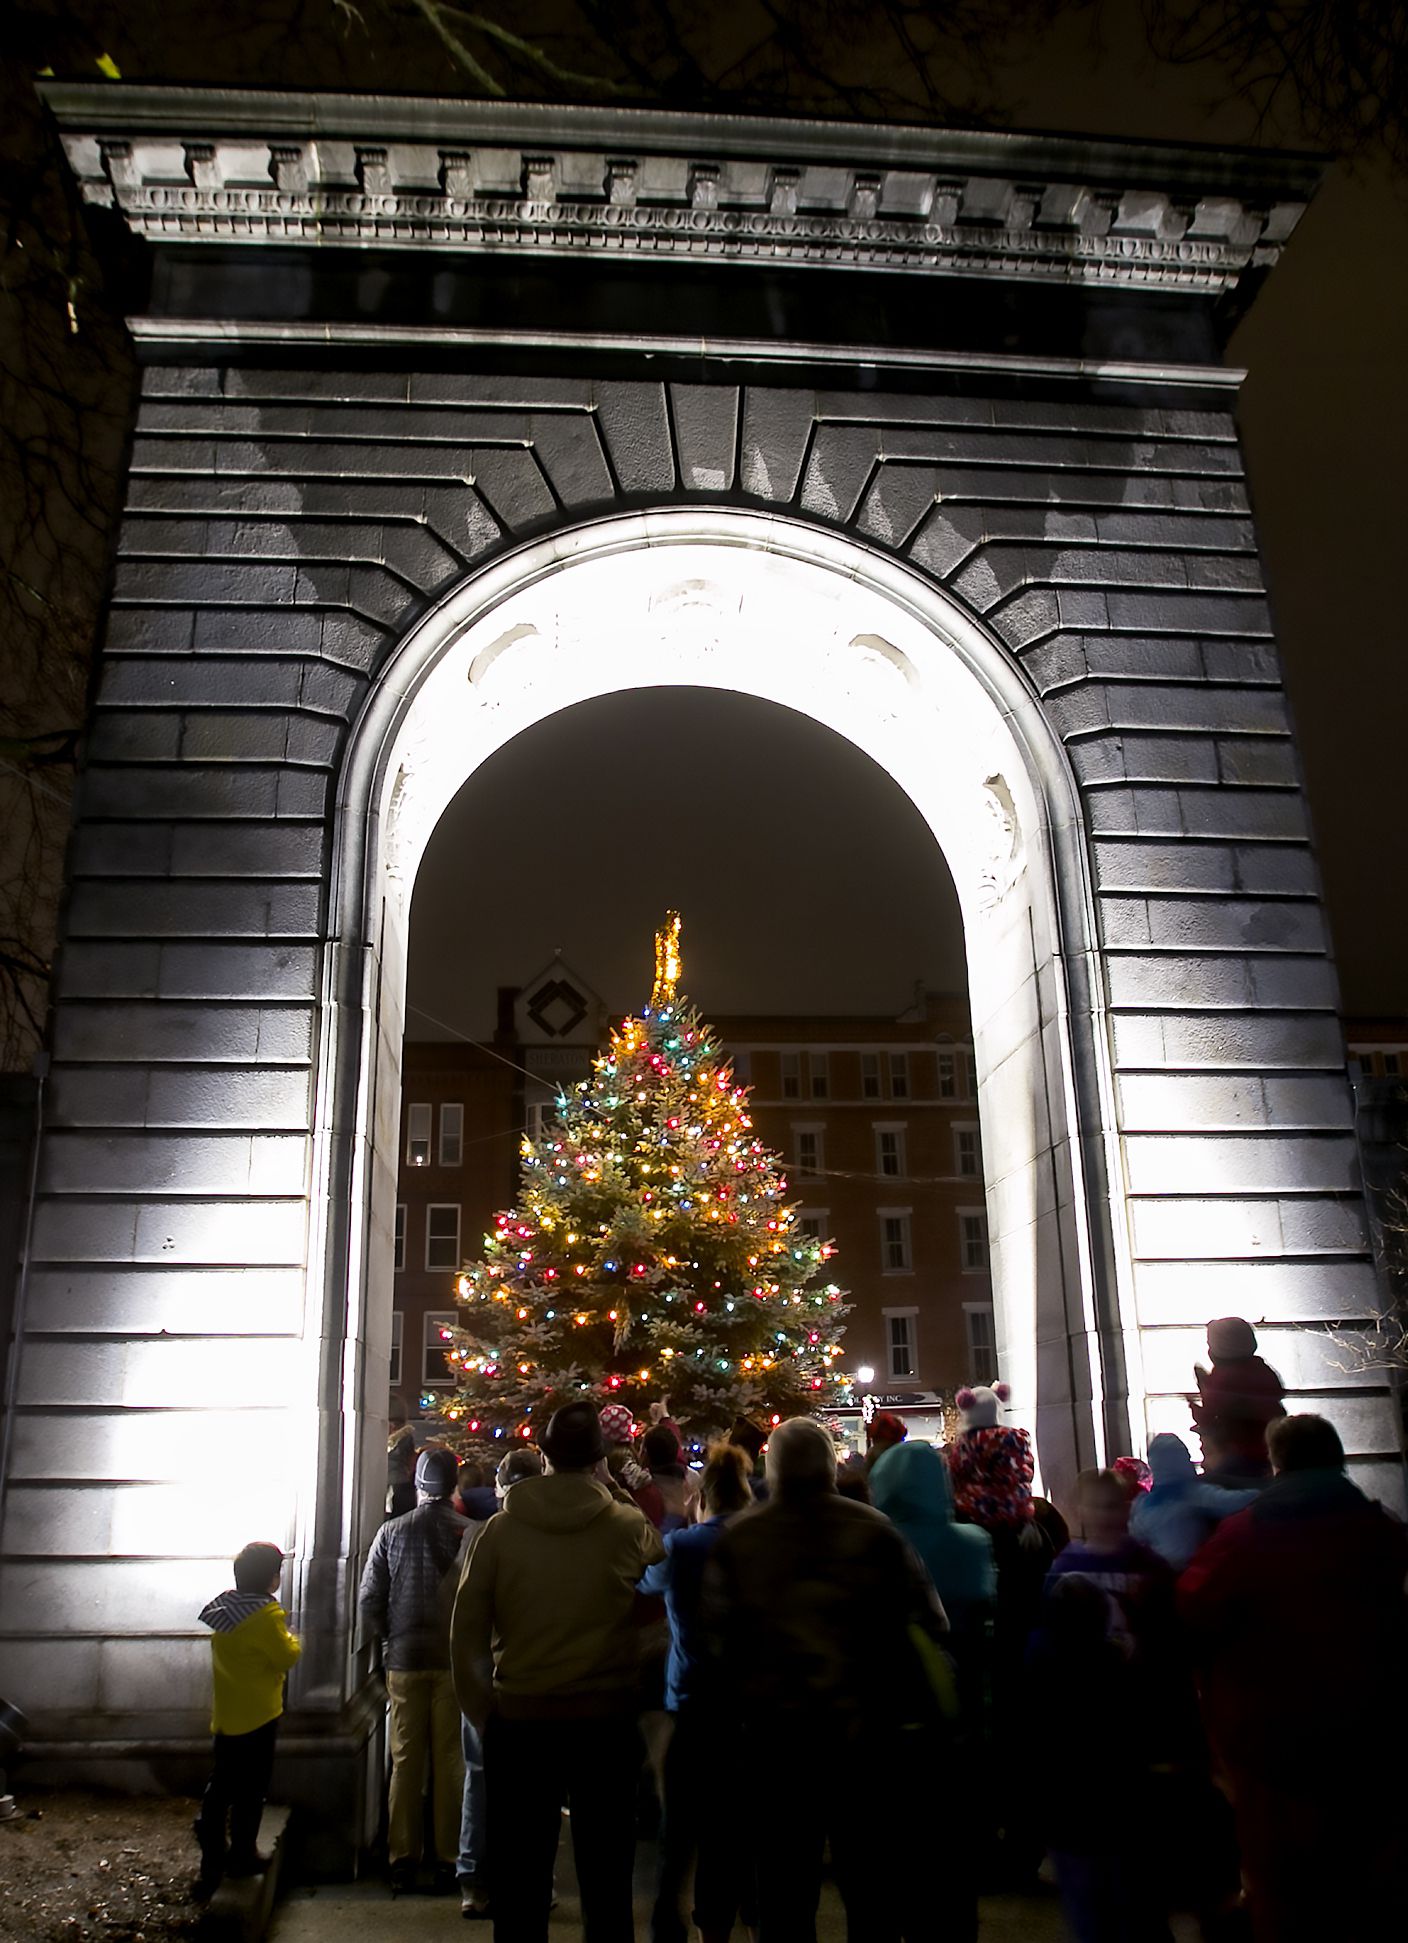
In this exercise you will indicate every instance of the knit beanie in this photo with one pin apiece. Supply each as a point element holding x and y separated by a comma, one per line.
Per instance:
<point>978,1407</point>
<point>436,1473</point>
<point>617,1424</point>
<point>523,1461</point>
<point>573,1439</point>
<point>1230,1339</point>
<point>887,1429</point>
<point>1169,1459</point>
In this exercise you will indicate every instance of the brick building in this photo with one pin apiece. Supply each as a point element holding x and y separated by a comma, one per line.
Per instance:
<point>878,1122</point>
<point>461,1122</point>
<point>876,1119</point>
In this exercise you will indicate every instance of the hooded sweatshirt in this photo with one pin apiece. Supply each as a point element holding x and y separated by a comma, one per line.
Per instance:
<point>251,1651</point>
<point>910,1484</point>
<point>549,1591</point>
<point>1180,1511</point>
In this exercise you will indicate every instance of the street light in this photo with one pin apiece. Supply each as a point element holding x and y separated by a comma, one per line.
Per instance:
<point>865,1374</point>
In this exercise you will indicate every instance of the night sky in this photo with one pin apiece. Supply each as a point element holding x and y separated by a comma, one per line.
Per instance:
<point>806,877</point>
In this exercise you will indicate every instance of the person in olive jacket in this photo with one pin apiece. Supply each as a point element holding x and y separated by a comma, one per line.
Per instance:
<point>544,1651</point>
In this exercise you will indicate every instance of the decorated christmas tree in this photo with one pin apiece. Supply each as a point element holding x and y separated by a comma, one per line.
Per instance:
<point>652,1252</point>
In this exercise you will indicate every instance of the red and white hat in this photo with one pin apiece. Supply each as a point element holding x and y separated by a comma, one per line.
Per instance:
<point>617,1424</point>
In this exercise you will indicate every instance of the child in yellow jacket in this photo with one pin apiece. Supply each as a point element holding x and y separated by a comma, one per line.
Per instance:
<point>251,1650</point>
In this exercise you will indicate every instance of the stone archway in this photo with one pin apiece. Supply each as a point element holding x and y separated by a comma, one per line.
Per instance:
<point>791,614</point>
<point>935,375</point>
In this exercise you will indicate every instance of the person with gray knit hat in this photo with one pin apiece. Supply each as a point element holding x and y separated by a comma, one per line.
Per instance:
<point>543,1644</point>
<point>405,1598</point>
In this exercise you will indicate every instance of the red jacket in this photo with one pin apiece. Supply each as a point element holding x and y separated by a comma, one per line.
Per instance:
<point>1284,1603</point>
<point>1240,1396</point>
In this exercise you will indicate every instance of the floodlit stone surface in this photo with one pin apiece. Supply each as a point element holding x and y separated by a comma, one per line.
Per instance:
<point>347,574</point>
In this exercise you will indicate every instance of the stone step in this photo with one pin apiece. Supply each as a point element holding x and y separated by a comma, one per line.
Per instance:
<point>242,1908</point>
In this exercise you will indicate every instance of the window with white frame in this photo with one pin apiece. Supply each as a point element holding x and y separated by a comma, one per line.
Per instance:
<point>742,1063</point>
<point>948,1075</point>
<point>439,1326</point>
<point>901,1342</point>
<point>811,1153</point>
<point>398,1257</point>
<point>814,1223</point>
<point>1391,1064</point>
<point>791,1076</point>
<point>418,1134</point>
<point>969,1069</point>
<point>973,1241</point>
<point>451,1135</point>
<point>981,1331</point>
<point>442,1235</point>
<point>896,1241</point>
<point>819,1067</point>
<point>899,1075</point>
<point>890,1152</point>
<point>538,1116</point>
<point>870,1075</point>
<point>967,1153</point>
<point>397,1326</point>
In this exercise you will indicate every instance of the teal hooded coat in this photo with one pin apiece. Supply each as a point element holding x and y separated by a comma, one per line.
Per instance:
<point>910,1484</point>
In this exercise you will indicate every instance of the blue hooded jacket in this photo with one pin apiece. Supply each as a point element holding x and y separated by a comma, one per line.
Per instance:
<point>910,1484</point>
<point>1180,1511</point>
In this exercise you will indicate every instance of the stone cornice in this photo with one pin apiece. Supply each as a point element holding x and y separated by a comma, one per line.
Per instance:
<point>206,167</point>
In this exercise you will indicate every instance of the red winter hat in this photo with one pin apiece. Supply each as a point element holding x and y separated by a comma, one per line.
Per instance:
<point>617,1424</point>
<point>887,1428</point>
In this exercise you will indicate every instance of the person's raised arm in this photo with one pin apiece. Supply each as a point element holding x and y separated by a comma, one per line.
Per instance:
<point>284,1647</point>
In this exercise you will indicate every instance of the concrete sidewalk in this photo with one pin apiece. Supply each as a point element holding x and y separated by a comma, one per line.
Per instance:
<point>350,1912</point>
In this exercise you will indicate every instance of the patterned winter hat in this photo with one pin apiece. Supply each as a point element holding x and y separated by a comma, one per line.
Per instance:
<point>978,1407</point>
<point>617,1424</point>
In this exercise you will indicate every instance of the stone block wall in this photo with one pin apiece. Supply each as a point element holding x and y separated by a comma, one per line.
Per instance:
<point>283,529</point>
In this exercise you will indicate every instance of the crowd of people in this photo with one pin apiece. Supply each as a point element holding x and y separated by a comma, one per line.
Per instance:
<point>908,1662</point>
